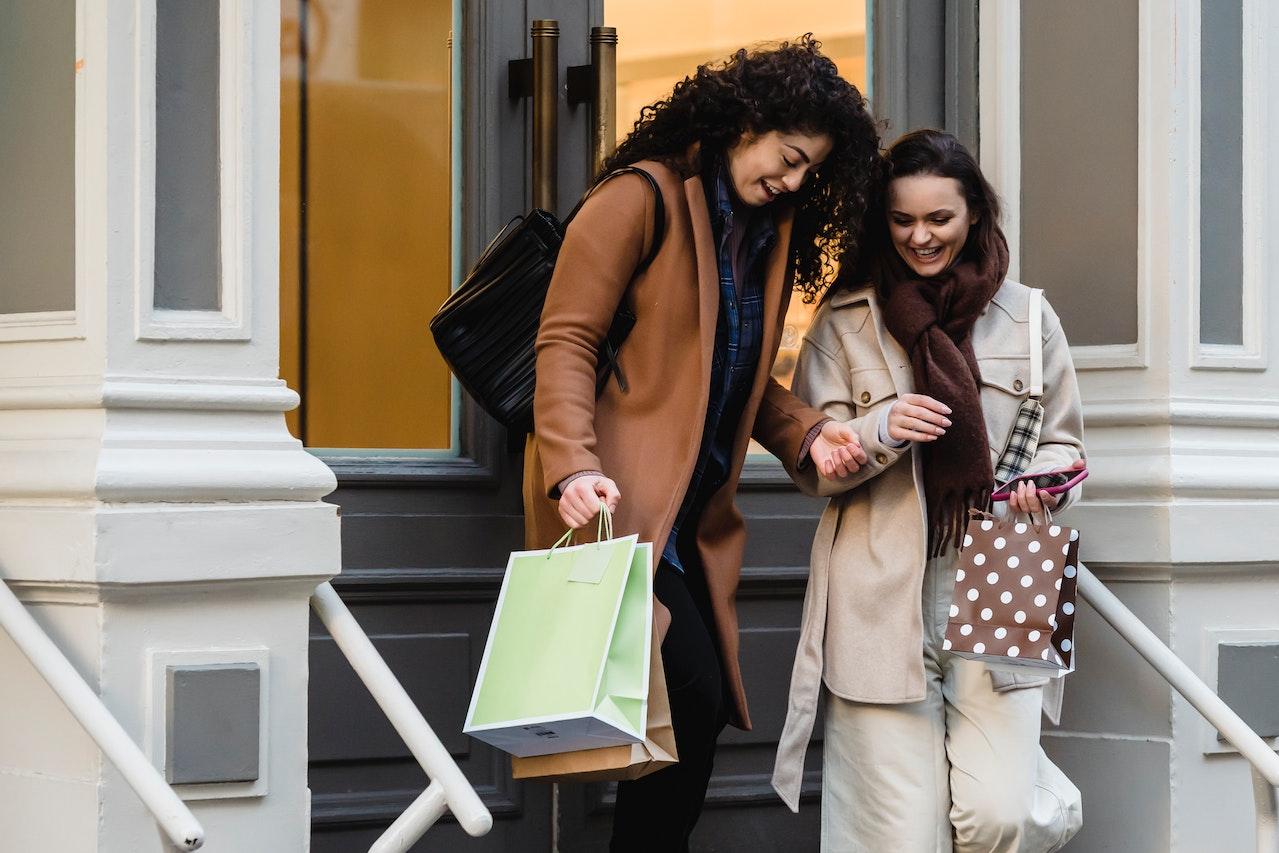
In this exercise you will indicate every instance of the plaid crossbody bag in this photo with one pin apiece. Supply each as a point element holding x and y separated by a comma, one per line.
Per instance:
<point>1023,441</point>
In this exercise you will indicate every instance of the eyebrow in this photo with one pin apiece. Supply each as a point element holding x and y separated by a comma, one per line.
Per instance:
<point>939,211</point>
<point>801,151</point>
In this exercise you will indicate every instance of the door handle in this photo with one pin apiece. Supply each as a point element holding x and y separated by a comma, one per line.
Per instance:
<point>604,102</point>
<point>539,77</point>
<point>597,84</point>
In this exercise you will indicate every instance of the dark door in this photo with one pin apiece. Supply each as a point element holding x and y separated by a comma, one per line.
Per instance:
<point>402,153</point>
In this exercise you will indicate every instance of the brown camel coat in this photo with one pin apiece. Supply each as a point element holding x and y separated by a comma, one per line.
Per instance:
<point>647,438</point>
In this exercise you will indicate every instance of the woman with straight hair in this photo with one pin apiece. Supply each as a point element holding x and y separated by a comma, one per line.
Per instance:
<point>765,164</point>
<point>923,349</point>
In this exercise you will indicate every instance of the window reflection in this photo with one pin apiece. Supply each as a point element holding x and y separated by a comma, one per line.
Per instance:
<point>365,210</point>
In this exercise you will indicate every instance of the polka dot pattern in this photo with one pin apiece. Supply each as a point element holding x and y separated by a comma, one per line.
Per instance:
<point>1024,617</point>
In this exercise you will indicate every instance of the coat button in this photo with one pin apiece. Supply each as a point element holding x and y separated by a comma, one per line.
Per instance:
<point>865,396</point>
<point>1017,386</point>
<point>881,459</point>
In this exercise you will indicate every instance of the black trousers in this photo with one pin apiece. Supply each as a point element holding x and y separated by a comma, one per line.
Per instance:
<point>657,813</point>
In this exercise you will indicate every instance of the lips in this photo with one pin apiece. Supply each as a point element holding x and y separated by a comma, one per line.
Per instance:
<point>769,191</point>
<point>927,255</point>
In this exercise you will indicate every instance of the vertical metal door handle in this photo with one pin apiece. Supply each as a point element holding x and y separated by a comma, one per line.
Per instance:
<point>604,96</point>
<point>546,85</point>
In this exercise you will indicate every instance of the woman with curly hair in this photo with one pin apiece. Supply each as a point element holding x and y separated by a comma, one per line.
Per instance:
<point>764,163</point>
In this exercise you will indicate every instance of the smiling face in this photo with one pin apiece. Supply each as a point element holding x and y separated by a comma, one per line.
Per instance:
<point>768,166</point>
<point>928,220</point>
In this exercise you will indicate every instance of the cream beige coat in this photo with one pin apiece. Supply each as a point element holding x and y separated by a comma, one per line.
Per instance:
<point>862,632</point>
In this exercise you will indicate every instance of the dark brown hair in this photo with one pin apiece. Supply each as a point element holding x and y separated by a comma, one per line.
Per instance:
<point>789,87</point>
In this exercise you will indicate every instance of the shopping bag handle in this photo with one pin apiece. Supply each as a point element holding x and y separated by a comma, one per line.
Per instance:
<point>603,530</point>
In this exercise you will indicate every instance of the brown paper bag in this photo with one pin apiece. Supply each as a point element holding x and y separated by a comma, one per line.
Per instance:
<point>615,763</point>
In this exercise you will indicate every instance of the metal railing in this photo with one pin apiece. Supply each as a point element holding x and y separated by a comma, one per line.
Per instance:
<point>449,790</point>
<point>1264,761</point>
<point>99,723</point>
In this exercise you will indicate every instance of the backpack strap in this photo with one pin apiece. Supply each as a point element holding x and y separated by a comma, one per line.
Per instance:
<point>659,210</point>
<point>1036,343</point>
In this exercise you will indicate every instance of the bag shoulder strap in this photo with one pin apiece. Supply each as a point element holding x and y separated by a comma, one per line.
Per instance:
<point>1036,343</point>
<point>659,210</point>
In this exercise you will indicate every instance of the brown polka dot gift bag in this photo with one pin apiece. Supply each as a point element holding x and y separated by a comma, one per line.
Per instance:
<point>1014,600</point>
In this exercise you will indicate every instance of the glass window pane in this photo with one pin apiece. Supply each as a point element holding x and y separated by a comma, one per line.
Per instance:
<point>37,157</point>
<point>1221,174</point>
<point>1079,193</point>
<point>187,177</point>
<point>366,207</point>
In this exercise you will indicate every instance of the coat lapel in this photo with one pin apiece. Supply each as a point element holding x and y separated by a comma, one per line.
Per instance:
<point>707,271</point>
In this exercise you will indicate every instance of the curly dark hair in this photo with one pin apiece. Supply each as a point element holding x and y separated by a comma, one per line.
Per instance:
<point>789,87</point>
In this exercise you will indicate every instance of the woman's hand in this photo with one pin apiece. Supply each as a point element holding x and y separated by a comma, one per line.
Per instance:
<point>917,417</point>
<point>837,452</point>
<point>1025,498</point>
<point>580,499</point>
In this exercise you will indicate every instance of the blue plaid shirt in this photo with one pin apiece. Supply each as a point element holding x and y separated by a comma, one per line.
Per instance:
<point>738,333</point>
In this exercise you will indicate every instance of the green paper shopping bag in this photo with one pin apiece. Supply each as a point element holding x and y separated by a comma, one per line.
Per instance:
<point>566,666</point>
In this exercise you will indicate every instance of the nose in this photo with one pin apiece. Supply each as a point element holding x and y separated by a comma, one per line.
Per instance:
<point>793,180</point>
<point>919,235</point>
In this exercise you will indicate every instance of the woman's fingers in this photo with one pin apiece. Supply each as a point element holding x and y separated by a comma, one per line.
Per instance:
<point>901,434</point>
<point>923,414</point>
<point>926,402</point>
<point>607,491</point>
<point>1029,497</point>
<point>919,425</point>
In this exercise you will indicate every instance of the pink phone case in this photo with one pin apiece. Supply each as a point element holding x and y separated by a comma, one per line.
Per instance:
<point>1076,477</point>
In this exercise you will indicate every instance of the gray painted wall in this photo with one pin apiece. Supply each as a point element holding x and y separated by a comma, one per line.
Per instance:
<point>187,268</point>
<point>37,156</point>
<point>1079,163</point>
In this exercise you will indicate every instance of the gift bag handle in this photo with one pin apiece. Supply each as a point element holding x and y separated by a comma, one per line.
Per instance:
<point>603,531</point>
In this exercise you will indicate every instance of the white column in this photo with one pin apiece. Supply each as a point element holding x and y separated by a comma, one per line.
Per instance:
<point>154,510</point>
<point>1181,515</point>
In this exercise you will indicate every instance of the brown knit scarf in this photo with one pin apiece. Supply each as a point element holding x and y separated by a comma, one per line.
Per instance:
<point>932,318</point>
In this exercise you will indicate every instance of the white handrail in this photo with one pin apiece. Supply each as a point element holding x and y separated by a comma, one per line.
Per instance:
<point>98,722</point>
<point>1264,761</point>
<point>449,788</point>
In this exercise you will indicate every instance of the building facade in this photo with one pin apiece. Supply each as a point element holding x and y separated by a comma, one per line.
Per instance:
<point>225,225</point>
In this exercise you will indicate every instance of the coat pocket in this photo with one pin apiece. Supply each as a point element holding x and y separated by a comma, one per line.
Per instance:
<point>1005,383</point>
<point>871,386</point>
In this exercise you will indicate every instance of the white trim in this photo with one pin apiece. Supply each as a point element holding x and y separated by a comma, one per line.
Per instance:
<point>1252,353</point>
<point>235,112</point>
<point>1000,96</point>
<point>158,662</point>
<point>46,325</point>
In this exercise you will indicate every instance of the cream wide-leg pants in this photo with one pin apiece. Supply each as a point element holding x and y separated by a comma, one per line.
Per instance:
<point>961,770</point>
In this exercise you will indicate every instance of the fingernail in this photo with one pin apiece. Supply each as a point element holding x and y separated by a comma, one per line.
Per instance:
<point>949,410</point>
<point>941,431</point>
<point>947,422</point>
